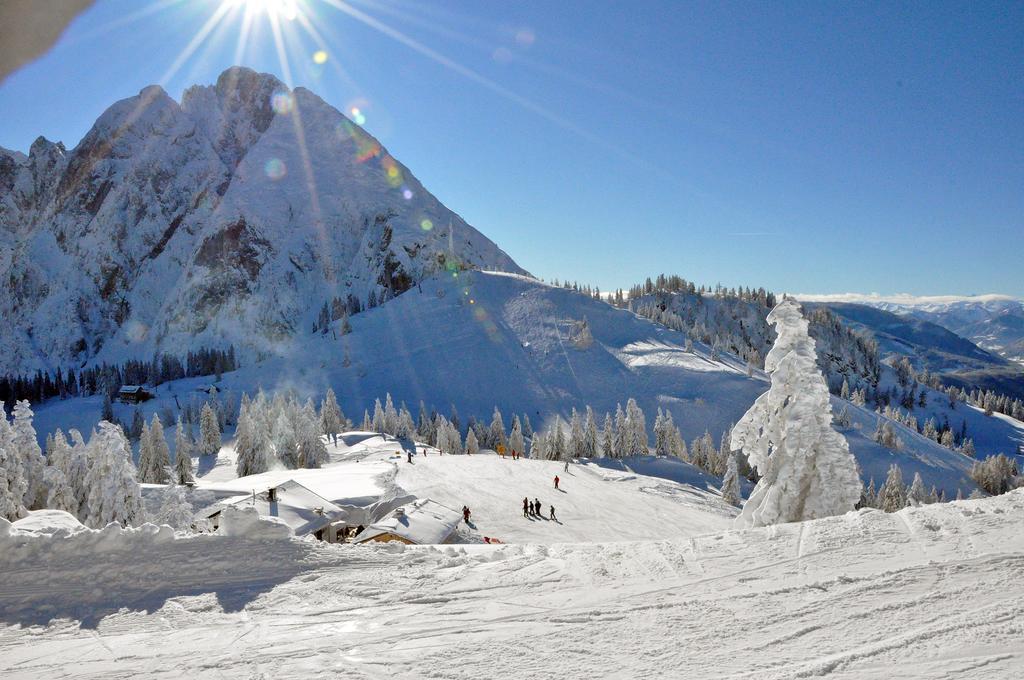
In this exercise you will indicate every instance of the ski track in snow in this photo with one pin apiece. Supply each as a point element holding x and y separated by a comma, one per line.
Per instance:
<point>931,592</point>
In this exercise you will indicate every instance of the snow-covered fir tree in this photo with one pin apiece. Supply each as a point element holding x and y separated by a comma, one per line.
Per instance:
<point>590,445</point>
<point>160,455</point>
<point>331,419</point>
<point>175,510</point>
<point>636,427</point>
<point>806,468</point>
<point>893,495</point>
<point>378,417</point>
<point>496,433</point>
<point>917,495</point>
<point>113,491</point>
<point>472,445</point>
<point>209,431</point>
<point>29,455</point>
<point>515,438</point>
<point>731,482</point>
<point>59,495</point>
<point>182,454</point>
<point>608,437</point>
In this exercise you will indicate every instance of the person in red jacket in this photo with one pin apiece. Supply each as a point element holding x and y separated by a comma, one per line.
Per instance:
<point>556,481</point>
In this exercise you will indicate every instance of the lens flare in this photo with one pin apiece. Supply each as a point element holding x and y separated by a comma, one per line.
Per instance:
<point>282,103</point>
<point>391,169</point>
<point>407,193</point>
<point>426,224</point>
<point>275,169</point>
<point>320,57</point>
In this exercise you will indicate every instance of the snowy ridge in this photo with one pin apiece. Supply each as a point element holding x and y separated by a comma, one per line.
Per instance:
<point>172,226</point>
<point>915,594</point>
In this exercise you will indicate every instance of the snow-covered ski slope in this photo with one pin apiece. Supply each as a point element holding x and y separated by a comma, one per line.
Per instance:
<point>480,339</point>
<point>930,592</point>
<point>594,503</point>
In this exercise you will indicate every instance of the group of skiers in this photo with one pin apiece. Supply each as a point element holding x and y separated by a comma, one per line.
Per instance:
<point>500,449</point>
<point>534,509</point>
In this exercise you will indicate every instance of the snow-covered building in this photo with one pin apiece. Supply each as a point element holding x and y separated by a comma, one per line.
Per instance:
<point>133,394</point>
<point>307,513</point>
<point>423,522</point>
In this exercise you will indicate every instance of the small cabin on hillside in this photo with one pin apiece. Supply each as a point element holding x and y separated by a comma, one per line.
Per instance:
<point>307,513</point>
<point>423,522</point>
<point>133,394</point>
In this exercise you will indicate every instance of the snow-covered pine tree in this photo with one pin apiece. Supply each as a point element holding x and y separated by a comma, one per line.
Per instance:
<point>893,495</point>
<point>621,434</point>
<point>378,417</point>
<point>145,452</point>
<point>660,435</point>
<point>515,438</point>
<point>312,452</point>
<point>472,445</point>
<point>917,495</point>
<point>806,468</point>
<point>367,424</point>
<point>575,444</point>
<point>58,493</point>
<point>175,510</point>
<point>390,416</point>
<point>12,480</point>
<point>636,444</point>
<point>331,421</point>
<point>160,460</point>
<point>423,423</point>
<point>113,492</point>
<point>209,431</point>
<point>30,455</point>
<point>182,454</point>
<point>608,437</point>
<point>496,434</point>
<point>590,445</point>
<point>731,482</point>
<point>527,428</point>
<point>406,426</point>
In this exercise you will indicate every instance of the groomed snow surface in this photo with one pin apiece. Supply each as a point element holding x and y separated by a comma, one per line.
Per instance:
<point>642,578</point>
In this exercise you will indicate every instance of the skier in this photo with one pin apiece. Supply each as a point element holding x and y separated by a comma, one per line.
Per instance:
<point>466,513</point>
<point>566,466</point>
<point>553,512</point>
<point>538,506</point>
<point>525,503</point>
<point>410,456</point>
<point>556,481</point>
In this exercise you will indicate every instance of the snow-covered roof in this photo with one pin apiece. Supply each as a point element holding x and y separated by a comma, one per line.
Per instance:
<point>423,522</point>
<point>48,522</point>
<point>295,505</point>
<point>131,389</point>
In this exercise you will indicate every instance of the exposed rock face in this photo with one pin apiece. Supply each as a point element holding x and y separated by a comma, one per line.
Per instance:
<point>228,218</point>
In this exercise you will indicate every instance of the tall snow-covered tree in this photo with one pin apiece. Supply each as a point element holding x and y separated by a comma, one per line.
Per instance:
<point>636,426</point>
<point>114,494</point>
<point>472,445</point>
<point>590,445</point>
<point>608,437</point>
<point>731,482</point>
<point>12,479</point>
<point>312,453</point>
<point>59,495</point>
<point>515,439</point>
<point>209,431</point>
<point>893,495</point>
<point>575,445</point>
<point>496,434</point>
<point>390,416</point>
<point>806,468</point>
<point>378,417</point>
<point>160,459</point>
<point>621,433</point>
<point>917,495</point>
<point>331,420</point>
<point>527,427</point>
<point>175,510</point>
<point>182,455</point>
<point>29,454</point>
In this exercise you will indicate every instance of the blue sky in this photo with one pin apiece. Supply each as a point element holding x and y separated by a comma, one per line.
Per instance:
<point>805,147</point>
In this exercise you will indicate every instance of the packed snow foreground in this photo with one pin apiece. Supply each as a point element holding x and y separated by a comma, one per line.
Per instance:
<point>927,592</point>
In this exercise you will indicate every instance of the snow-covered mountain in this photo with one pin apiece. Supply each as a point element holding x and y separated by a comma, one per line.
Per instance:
<point>229,217</point>
<point>993,322</point>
